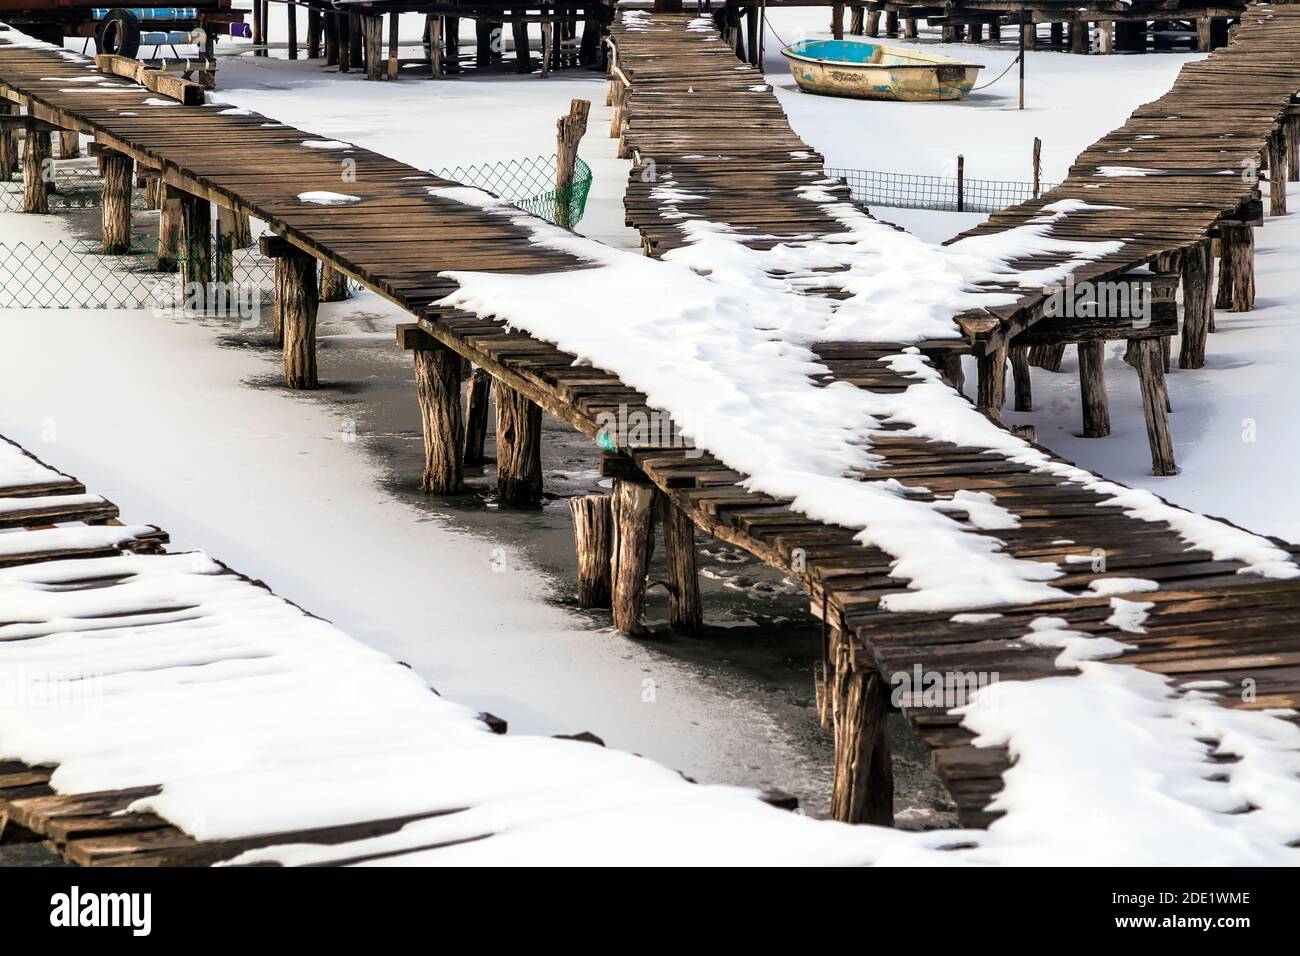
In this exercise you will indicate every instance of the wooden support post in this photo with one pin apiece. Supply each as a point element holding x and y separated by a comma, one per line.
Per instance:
<point>9,161</point>
<point>1203,43</point>
<point>548,46</point>
<point>115,213</point>
<point>862,790</point>
<point>991,388</point>
<point>433,39</point>
<point>1092,388</point>
<point>837,21</point>
<point>1291,129</point>
<point>394,43</point>
<point>479,390</point>
<point>330,22</point>
<point>196,249</point>
<point>1056,35</point>
<point>437,384</point>
<point>451,44</point>
<point>1029,32</point>
<point>891,23</point>
<point>873,22</point>
<point>373,28</point>
<point>568,133</point>
<point>632,510</point>
<point>523,46</point>
<point>685,612</point>
<point>38,170</point>
<point>313,34</point>
<point>259,26</point>
<point>1024,396</point>
<point>949,366</point>
<point>909,28</point>
<point>295,316</point>
<point>291,29</point>
<point>171,228</point>
<point>593,537</point>
<point>333,284</point>
<point>1131,36</point>
<point>152,192</point>
<point>1277,172</point>
<point>1106,36</point>
<point>856,13</point>
<point>69,144</point>
<point>1079,39</point>
<point>347,30</point>
<point>233,232</point>
<point>754,35</point>
<point>519,448</point>
<point>356,41</point>
<point>1236,288</point>
<point>1198,303</point>
<point>975,33</point>
<point>1155,405</point>
<point>950,33</point>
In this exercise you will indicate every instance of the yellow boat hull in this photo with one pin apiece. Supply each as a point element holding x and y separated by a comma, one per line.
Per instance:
<point>870,71</point>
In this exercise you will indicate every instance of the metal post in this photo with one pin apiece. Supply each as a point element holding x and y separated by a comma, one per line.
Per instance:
<point>1022,58</point>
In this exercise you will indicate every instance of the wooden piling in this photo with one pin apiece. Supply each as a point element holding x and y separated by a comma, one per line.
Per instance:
<point>1236,286</point>
<point>37,171</point>
<point>523,46</point>
<point>437,383</point>
<point>909,28</point>
<point>313,34</point>
<point>862,790</point>
<point>115,208</point>
<point>69,144</point>
<point>171,228</point>
<point>1277,172</point>
<point>394,45</point>
<point>333,284</point>
<point>685,611</point>
<point>373,29</point>
<point>1079,36</point>
<point>1155,405</point>
<point>1047,357</point>
<point>632,511</point>
<point>991,387</point>
<point>1023,387</point>
<point>356,42</point>
<point>9,161</point>
<point>593,536</point>
<point>196,248</point>
<point>1203,43</point>
<point>950,368</point>
<point>291,29</point>
<point>519,448</point>
<point>478,392</point>
<point>295,307</point>
<point>1198,303</point>
<point>1092,389</point>
<point>568,133</point>
<point>891,23</point>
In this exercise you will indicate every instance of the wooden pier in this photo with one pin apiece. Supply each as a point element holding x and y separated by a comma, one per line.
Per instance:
<point>1207,621</point>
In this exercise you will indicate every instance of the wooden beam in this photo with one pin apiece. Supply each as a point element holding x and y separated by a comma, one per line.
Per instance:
<point>184,91</point>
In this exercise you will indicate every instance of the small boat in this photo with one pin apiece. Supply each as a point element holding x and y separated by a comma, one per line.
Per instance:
<point>870,71</point>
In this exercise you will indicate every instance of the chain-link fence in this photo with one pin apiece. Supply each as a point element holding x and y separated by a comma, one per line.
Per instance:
<point>910,191</point>
<point>526,183</point>
<point>77,275</point>
<point>530,185</point>
<point>72,187</point>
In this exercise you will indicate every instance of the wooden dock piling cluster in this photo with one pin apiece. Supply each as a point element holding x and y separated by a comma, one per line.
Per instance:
<point>1207,620</point>
<point>357,38</point>
<point>1103,28</point>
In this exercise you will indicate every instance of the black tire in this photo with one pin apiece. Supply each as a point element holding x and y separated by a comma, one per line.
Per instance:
<point>119,33</point>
